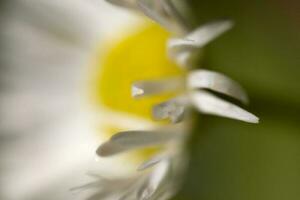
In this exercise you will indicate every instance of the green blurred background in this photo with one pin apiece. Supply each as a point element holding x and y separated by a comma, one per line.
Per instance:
<point>232,160</point>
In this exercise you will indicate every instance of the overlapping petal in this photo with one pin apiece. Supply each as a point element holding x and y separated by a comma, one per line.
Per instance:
<point>205,79</point>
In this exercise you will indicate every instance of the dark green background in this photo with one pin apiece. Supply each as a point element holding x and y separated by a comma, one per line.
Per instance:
<point>232,160</point>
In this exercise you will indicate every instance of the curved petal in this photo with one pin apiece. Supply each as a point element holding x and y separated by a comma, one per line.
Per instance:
<point>128,140</point>
<point>198,79</point>
<point>200,36</point>
<point>209,104</point>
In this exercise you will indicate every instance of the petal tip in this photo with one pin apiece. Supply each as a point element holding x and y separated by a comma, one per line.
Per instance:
<point>136,91</point>
<point>104,150</point>
<point>255,120</point>
<point>249,117</point>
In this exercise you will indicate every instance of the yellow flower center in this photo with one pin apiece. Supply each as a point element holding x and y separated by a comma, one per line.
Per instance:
<point>139,56</point>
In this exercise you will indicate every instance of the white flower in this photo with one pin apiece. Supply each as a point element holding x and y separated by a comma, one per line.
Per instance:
<point>47,144</point>
<point>162,179</point>
<point>45,140</point>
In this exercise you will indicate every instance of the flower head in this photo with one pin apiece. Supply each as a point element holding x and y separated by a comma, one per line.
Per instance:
<point>158,177</point>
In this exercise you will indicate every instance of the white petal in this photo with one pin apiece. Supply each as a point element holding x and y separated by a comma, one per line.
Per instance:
<point>156,179</point>
<point>142,88</point>
<point>182,58</point>
<point>176,16</point>
<point>95,184</point>
<point>123,3</point>
<point>200,37</point>
<point>128,140</point>
<point>120,188</point>
<point>151,162</point>
<point>127,196</point>
<point>210,104</point>
<point>186,59</point>
<point>100,195</point>
<point>198,79</point>
<point>155,15</point>
<point>172,109</point>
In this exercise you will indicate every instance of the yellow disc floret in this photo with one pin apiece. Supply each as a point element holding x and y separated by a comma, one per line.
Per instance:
<point>139,56</point>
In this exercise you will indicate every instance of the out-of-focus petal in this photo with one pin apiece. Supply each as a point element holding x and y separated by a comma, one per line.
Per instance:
<point>151,162</point>
<point>128,140</point>
<point>157,177</point>
<point>173,109</point>
<point>200,36</point>
<point>124,3</point>
<point>152,87</point>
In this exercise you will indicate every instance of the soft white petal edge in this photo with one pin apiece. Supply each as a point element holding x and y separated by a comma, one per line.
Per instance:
<point>210,104</point>
<point>200,36</point>
<point>128,140</point>
<point>198,79</point>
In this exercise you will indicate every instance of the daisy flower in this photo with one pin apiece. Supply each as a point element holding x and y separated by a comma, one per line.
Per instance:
<point>193,88</point>
<point>46,137</point>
